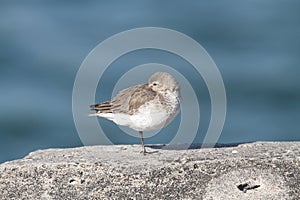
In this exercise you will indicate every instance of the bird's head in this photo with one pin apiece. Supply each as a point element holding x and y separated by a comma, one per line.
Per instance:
<point>162,81</point>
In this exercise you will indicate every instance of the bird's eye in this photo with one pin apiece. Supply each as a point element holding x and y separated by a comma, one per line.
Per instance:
<point>154,84</point>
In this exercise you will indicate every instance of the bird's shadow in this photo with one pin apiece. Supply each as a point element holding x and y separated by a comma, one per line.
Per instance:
<point>149,152</point>
<point>191,146</point>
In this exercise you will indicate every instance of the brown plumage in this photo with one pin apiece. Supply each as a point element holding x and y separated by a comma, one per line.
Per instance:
<point>127,101</point>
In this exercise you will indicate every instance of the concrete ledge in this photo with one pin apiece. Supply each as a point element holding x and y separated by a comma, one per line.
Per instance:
<point>262,170</point>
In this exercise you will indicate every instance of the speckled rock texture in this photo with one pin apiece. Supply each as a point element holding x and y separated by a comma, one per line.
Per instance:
<point>262,170</point>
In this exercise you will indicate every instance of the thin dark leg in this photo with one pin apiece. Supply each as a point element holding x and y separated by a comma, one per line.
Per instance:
<point>142,140</point>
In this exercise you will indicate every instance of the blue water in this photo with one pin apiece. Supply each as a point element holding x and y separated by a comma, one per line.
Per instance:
<point>255,44</point>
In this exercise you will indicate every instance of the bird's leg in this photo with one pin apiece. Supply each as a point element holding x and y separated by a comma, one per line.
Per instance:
<point>143,145</point>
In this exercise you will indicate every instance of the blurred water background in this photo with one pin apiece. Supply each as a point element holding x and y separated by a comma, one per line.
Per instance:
<point>255,44</point>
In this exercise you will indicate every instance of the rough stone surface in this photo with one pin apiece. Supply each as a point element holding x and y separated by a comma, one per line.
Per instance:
<point>262,170</point>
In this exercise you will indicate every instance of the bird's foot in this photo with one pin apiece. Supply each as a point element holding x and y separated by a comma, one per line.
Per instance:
<point>144,152</point>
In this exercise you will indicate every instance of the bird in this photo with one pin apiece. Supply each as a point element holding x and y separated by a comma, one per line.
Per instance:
<point>144,107</point>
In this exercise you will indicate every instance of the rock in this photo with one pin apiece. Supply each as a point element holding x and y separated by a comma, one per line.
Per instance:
<point>263,170</point>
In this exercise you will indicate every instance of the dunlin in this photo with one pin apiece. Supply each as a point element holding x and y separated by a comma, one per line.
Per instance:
<point>144,107</point>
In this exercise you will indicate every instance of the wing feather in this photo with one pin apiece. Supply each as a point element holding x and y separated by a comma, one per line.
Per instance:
<point>127,101</point>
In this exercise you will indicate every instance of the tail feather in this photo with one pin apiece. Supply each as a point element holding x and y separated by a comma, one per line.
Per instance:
<point>102,107</point>
<point>93,115</point>
<point>109,116</point>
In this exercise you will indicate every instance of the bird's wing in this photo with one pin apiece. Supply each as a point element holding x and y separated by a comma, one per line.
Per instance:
<point>127,101</point>
<point>140,96</point>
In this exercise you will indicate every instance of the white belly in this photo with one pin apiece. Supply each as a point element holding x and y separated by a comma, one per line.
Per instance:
<point>146,119</point>
<point>151,116</point>
<point>151,119</point>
